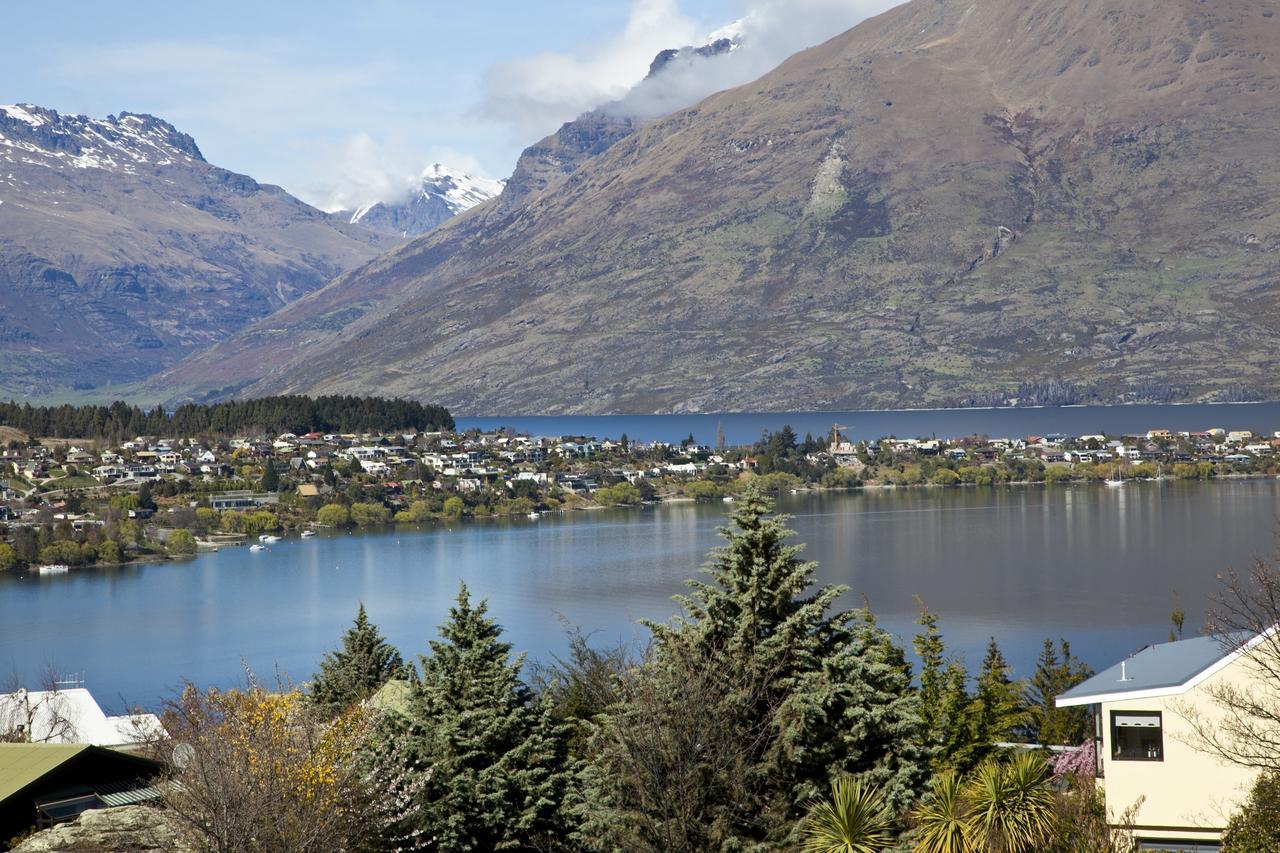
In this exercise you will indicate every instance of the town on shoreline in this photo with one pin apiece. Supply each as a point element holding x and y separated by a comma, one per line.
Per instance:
<point>66,502</point>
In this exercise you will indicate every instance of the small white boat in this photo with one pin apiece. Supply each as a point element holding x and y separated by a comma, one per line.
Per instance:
<point>307,533</point>
<point>271,540</point>
<point>53,569</point>
<point>1113,483</point>
<point>257,547</point>
<point>728,499</point>
<point>264,537</point>
<point>533,516</point>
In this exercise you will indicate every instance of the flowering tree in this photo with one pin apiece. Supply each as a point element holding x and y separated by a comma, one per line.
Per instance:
<point>252,769</point>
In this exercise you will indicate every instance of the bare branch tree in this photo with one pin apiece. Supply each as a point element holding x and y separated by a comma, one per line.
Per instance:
<point>35,717</point>
<point>1244,727</point>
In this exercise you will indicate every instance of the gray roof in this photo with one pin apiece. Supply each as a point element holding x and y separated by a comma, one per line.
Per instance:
<point>1160,666</point>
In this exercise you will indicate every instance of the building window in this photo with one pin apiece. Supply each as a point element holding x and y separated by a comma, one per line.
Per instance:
<point>1136,736</point>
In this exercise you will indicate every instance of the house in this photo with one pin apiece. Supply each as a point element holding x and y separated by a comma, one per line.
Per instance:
<point>69,716</point>
<point>1145,743</point>
<point>42,784</point>
<point>242,500</point>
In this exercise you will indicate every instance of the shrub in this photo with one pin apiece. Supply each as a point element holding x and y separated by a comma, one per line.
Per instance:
<point>1255,828</point>
<point>333,515</point>
<point>180,543</point>
<point>945,477</point>
<point>453,507</point>
<point>623,493</point>
<point>369,514</point>
<point>8,557</point>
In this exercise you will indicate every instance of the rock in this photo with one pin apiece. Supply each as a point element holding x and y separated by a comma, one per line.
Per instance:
<point>136,829</point>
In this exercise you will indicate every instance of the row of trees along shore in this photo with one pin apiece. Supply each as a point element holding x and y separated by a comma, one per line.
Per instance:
<point>762,718</point>
<point>273,415</point>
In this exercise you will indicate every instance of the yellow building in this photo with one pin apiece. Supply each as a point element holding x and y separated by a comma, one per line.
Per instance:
<point>1146,744</point>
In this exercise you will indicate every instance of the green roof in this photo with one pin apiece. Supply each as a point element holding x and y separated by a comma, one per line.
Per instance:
<point>24,763</point>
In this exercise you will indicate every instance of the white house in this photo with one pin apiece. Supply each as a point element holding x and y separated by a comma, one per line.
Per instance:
<point>1148,752</point>
<point>69,716</point>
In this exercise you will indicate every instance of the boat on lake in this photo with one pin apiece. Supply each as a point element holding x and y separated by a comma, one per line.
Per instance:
<point>533,516</point>
<point>53,569</point>
<point>307,533</point>
<point>257,547</point>
<point>270,540</point>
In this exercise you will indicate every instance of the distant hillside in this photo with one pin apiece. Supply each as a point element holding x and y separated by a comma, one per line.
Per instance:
<point>122,250</point>
<point>951,202</point>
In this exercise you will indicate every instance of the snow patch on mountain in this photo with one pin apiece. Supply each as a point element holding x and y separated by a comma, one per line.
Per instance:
<point>436,195</point>
<point>41,137</point>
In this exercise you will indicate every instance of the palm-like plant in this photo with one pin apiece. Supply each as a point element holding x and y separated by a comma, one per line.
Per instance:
<point>1012,809</point>
<point>855,820</point>
<point>943,818</point>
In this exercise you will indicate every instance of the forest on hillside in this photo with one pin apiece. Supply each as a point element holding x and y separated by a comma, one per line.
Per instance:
<point>273,415</point>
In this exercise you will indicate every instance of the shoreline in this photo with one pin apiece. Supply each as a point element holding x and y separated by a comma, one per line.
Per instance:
<point>292,532</point>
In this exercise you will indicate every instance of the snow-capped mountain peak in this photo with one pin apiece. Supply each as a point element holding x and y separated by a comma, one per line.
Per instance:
<point>438,194</point>
<point>42,137</point>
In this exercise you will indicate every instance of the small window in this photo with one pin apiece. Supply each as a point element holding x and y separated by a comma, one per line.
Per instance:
<point>1136,736</point>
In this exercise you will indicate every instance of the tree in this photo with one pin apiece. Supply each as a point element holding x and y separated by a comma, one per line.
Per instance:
<point>8,557</point>
<point>354,672</point>
<point>1057,671</point>
<point>180,543</point>
<point>808,693</point>
<point>144,497</point>
<point>333,515</point>
<point>1011,806</point>
<point>369,514</point>
<point>453,507</point>
<point>1255,828</point>
<point>252,769</point>
<point>998,707</point>
<point>497,761</point>
<point>855,820</point>
<point>942,816</point>
<point>1241,727</point>
<point>270,479</point>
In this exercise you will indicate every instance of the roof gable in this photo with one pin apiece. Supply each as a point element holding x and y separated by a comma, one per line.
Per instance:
<point>1163,669</point>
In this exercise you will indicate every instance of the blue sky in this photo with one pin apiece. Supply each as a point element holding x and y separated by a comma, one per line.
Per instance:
<point>340,101</point>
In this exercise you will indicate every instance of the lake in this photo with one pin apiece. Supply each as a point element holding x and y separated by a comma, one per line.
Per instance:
<point>1102,567</point>
<point>745,428</point>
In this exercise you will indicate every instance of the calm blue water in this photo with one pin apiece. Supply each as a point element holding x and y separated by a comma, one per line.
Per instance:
<point>1102,567</point>
<point>745,428</point>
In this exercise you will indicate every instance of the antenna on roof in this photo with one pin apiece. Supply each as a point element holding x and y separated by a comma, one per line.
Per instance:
<point>1124,673</point>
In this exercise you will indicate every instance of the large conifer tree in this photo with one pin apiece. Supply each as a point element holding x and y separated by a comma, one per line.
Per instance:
<point>356,670</point>
<point>494,763</point>
<point>815,692</point>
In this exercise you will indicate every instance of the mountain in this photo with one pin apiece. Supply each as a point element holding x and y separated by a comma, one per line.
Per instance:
<point>440,194</point>
<point>122,250</point>
<point>953,202</point>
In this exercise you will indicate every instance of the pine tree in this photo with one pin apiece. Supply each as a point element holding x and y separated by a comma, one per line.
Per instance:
<point>494,762</point>
<point>354,672</point>
<point>1057,670</point>
<point>814,693</point>
<point>270,479</point>
<point>998,709</point>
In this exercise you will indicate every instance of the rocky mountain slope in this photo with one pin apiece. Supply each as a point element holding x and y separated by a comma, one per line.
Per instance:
<point>122,250</point>
<point>440,194</point>
<point>948,202</point>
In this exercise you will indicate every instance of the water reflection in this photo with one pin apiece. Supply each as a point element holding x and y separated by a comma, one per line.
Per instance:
<point>1102,567</point>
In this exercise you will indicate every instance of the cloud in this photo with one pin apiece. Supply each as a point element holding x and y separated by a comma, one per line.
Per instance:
<point>535,95</point>
<point>362,170</point>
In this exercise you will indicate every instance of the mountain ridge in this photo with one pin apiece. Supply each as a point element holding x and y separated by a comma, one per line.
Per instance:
<point>122,249</point>
<point>939,206</point>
